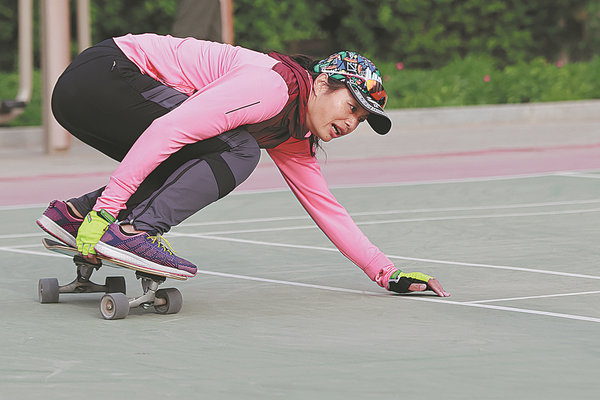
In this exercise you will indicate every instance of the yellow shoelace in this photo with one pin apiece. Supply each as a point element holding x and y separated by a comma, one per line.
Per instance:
<point>162,243</point>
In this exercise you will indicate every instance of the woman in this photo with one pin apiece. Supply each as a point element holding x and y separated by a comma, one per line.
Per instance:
<point>187,119</point>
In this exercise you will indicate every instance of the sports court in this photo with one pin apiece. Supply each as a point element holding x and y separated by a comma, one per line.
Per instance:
<point>510,229</point>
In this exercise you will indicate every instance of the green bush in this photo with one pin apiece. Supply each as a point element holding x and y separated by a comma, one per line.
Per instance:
<point>273,25</point>
<point>463,82</point>
<point>458,83</point>
<point>426,34</point>
<point>422,34</point>
<point>9,86</point>
<point>116,17</point>
<point>8,36</point>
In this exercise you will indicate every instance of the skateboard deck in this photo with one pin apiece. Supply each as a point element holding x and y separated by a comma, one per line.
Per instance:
<point>62,248</point>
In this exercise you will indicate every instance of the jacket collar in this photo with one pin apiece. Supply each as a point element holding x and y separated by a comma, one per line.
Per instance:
<point>300,90</point>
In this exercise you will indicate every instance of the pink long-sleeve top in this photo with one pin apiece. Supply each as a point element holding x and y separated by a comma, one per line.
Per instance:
<point>230,87</point>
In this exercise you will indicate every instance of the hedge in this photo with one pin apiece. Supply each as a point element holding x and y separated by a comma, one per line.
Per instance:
<point>426,33</point>
<point>477,80</point>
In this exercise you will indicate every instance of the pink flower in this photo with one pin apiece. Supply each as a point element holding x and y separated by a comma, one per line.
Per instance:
<point>400,66</point>
<point>486,78</point>
<point>560,63</point>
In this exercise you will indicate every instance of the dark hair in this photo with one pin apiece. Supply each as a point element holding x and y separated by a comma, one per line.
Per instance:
<point>308,63</point>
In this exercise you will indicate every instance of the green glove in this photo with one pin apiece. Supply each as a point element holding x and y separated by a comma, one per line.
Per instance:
<point>91,230</point>
<point>400,281</point>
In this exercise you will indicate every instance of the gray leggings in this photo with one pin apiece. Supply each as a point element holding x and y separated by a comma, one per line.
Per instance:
<point>103,100</point>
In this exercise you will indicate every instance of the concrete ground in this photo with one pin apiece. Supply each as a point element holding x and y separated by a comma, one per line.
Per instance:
<point>501,204</point>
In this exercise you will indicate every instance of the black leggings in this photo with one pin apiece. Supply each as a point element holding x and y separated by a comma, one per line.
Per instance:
<point>104,100</point>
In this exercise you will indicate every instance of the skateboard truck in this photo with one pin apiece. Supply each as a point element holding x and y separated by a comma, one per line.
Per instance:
<point>114,304</point>
<point>49,289</point>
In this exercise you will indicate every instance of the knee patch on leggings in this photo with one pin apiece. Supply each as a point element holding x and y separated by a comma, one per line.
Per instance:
<point>222,172</point>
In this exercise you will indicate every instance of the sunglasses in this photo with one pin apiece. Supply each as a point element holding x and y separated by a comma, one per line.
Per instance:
<point>371,86</point>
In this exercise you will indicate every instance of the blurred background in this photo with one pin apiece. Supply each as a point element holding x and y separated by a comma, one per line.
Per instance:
<point>432,53</point>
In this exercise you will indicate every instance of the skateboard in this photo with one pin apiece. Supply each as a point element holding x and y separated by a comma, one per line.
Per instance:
<point>114,304</point>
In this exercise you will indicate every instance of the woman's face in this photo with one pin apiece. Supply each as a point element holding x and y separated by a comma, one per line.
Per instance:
<point>332,114</point>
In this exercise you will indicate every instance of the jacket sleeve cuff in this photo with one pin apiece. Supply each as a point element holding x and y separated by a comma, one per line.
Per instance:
<point>380,269</point>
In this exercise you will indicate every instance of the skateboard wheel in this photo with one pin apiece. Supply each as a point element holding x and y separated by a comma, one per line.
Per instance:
<point>48,290</point>
<point>173,299</point>
<point>115,284</point>
<point>114,306</point>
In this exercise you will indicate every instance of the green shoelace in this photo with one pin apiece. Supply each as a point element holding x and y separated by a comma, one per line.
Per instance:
<point>162,243</point>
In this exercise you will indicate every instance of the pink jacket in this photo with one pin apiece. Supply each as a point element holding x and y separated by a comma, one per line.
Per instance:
<point>230,87</point>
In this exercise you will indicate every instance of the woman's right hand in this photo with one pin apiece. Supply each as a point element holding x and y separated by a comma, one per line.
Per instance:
<point>89,233</point>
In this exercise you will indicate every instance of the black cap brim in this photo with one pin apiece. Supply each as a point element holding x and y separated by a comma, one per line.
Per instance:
<point>378,119</point>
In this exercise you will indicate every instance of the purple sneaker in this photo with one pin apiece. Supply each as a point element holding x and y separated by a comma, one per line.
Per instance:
<point>144,250</point>
<point>58,222</point>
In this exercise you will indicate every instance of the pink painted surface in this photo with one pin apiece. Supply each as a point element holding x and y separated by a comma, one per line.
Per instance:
<point>39,189</point>
<point>443,166</point>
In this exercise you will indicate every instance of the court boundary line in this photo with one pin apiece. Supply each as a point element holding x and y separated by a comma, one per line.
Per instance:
<point>390,212</point>
<point>381,212</point>
<point>543,296</point>
<point>412,297</point>
<point>212,235</point>
<point>408,220</point>
<point>426,182</point>
<point>433,261</point>
<point>375,185</point>
<point>29,252</point>
<point>491,266</point>
<point>578,175</point>
<point>23,235</point>
<point>16,249</point>
<point>364,292</point>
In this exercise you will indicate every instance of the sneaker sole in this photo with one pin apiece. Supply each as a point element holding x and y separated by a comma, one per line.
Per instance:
<point>123,255</point>
<point>55,230</point>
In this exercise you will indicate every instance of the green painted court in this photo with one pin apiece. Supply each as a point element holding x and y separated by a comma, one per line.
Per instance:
<point>276,311</point>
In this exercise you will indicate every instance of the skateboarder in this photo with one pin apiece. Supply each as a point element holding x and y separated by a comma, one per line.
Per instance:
<point>187,118</point>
